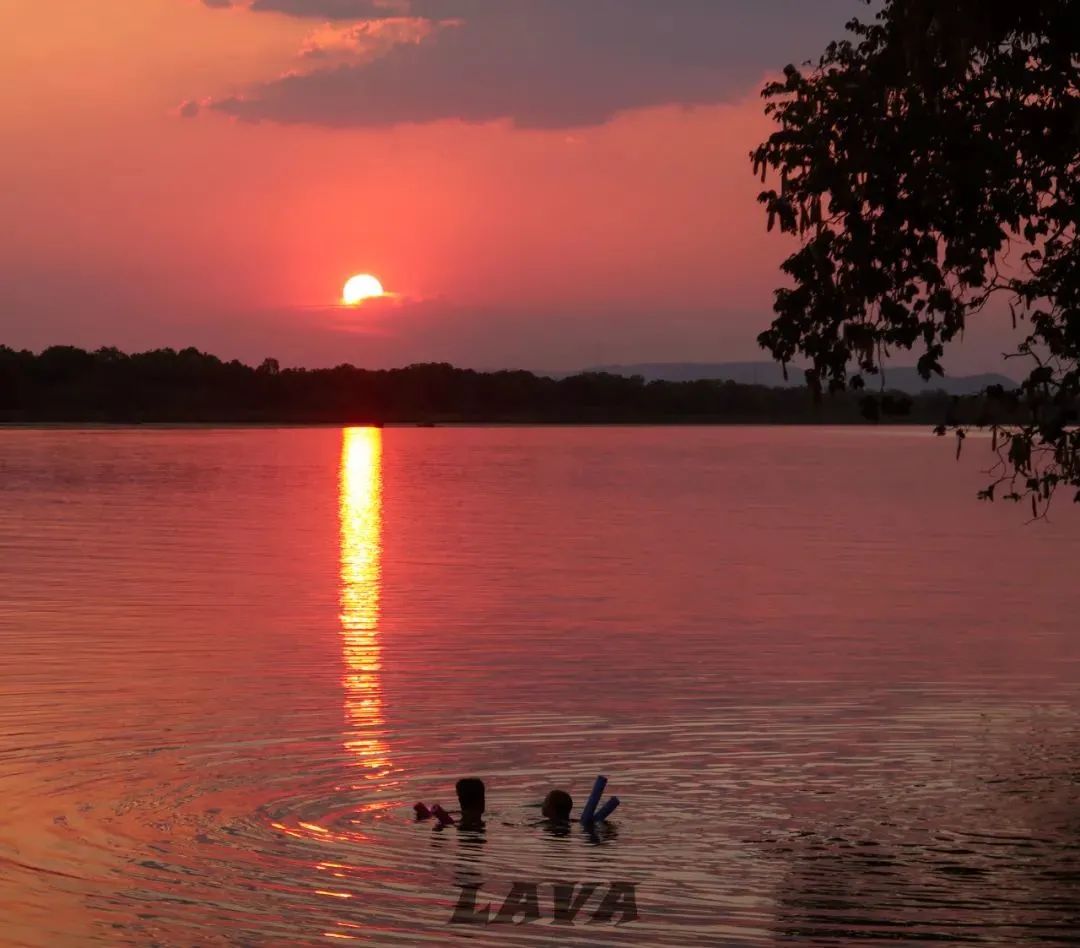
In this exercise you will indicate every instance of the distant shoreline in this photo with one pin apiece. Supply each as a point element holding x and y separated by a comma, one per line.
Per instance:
<point>67,386</point>
<point>287,425</point>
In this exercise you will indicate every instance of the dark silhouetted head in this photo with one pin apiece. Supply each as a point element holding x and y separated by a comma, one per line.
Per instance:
<point>470,794</point>
<point>557,805</point>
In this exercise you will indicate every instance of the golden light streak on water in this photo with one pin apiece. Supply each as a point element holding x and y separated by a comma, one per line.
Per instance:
<point>361,580</point>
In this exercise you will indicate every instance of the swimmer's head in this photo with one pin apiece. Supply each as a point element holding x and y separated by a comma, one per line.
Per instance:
<point>557,805</point>
<point>470,794</point>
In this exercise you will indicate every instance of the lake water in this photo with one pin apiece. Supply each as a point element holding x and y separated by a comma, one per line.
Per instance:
<point>838,697</point>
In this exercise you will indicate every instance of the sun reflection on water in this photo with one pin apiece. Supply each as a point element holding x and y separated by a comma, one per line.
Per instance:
<point>361,583</point>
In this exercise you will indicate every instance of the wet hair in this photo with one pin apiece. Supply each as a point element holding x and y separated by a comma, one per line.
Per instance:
<point>470,793</point>
<point>560,803</point>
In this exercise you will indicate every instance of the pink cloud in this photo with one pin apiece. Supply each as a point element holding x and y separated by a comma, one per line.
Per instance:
<point>369,39</point>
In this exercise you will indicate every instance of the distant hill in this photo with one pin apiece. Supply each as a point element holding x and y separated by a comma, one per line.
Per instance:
<point>901,378</point>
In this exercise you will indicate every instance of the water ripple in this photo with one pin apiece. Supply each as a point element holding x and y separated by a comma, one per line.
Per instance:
<point>233,660</point>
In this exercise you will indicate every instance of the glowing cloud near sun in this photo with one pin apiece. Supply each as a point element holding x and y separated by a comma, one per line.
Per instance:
<point>361,287</point>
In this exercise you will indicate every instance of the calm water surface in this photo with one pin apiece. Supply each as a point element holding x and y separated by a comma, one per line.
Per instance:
<point>838,697</point>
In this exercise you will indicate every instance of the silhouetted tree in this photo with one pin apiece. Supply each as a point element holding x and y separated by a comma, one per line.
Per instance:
<point>912,157</point>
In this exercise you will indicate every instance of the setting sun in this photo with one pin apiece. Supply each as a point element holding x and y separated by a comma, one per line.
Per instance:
<point>359,288</point>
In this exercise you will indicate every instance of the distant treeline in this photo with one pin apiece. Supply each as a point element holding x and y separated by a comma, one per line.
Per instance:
<point>66,384</point>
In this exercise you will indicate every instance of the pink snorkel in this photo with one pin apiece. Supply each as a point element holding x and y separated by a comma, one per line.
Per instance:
<point>444,818</point>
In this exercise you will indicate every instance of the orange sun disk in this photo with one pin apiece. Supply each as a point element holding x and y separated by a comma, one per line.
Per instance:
<point>361,287</point>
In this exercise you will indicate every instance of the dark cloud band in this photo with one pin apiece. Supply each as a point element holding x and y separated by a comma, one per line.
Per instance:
<point>543,63</point>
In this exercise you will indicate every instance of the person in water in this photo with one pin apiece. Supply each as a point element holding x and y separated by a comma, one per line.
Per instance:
<point>557,806</point>
<point>470,794</point>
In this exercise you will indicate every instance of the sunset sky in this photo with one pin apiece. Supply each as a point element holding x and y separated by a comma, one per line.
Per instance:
<point>540,183</point>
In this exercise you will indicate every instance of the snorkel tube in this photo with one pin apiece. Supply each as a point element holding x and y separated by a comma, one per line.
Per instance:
<point>587,815</point>
<point>606,810</point>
